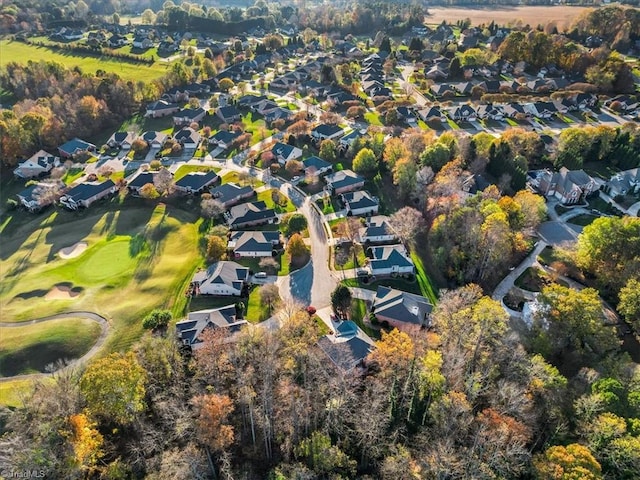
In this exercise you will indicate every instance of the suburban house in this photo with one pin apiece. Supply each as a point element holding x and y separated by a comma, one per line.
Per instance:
<point>221,278</point>
<point>624,183</point>
<point>186,116</point>
<point>432,114</point>
<point>250,100</point>
<point>29,198</point>
<point>568,186</point>
<point>377,230</point>
<point>187,137</point>
<point>116,41</point>
<point>38,165</point>
<point>84,194</point>
<point>390,259</point>
<point>347,347</point>
<point>326,132</point>
<point>142,42</point>
<point>344,181</point>
<point>154,138</point>
<point>230,194</point>
<point>249,215</point>
<point>122,140</point>
<point>285,152</point>
<point>402,310</point>
<point>492,112</point>
<point>75,146</point>
<point>462,113</point>
<point>224,138</point>
<point>228,114</point>
<point>253,243</point>
<point>189,331</point>
<point>139,181</point>
<point>196,182</point>
<point>278,114</point>
<point>349,138</point>
<point>161,108</point>
<point>541,109</point>
<point>315,166</point>
<point>360,203</point>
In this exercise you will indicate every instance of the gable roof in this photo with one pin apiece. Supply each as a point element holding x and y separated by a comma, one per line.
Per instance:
<point>377,226</point>
<point>401,306</point>
<point>283,150</point>
<point>121,137</point>
<point>326,130</point>
<point>229,192</point>
<point>225,136</point>
<point>75,145</point>
<point>197,322</point>
<point>348,347</point>
<point>197,180</point>
<point>187,135</point>
<point>343,178</point>
<point>228,112</point>
<point>388,256</point>
<point>86,190</point>
<point>250,212</point>
<point>253,241</point>
<point>225,273</point>
<point>360,199</point>
<point>154,136</point>
<point>315,162</point>
<point>141,179</point>
<point>189,113</point>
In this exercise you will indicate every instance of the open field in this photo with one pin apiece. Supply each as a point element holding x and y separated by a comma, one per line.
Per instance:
<point>20,52</point>
<point>504,15</point>
<point>138,258</point>
<point>30,348</point>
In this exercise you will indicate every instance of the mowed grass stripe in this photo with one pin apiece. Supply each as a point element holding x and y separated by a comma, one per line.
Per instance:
<point>12,51</point>
<point>30,348</point>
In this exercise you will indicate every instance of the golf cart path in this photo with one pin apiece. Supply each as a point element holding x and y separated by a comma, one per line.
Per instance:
<point>104,330</point>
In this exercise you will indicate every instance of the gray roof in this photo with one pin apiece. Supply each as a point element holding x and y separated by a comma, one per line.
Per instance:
<point>197,180</point>
<point>360,199</point>
<point>250,212</point>
<point>229,193</point>
<point>401,306</point>
<point>224,272</point>
<point>315,162</point>
<point>223,317</point>
<point>253,241</point>
<point>84,191</point>
<point>377,226</point>
<point>348,348</point>
<point>388,256</point>
<point>343,178</point>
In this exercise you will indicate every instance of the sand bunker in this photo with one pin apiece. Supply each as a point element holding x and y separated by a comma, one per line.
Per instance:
<point>73,251</point>
<point>61,292</point>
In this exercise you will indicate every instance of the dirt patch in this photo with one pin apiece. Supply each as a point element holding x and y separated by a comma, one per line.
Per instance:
<point>62,292</point>
<point>73,251</point>
<point>562,15</point>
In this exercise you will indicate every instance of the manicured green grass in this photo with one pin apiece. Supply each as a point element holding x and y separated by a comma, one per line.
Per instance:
<point>452,124</point>
<point>14,392</point>
<point>234,177</point>
<point>72,175</point>
<point>358,315</point>
<point>31,348</point>
<point>21,52</point>
<point>265,196</point>
<point>424,282</point>
<point>582,220</point>
<point>256,311</point>
<point>186,169</point>
<point>139,258</point>
<point>372,118</point>
<point>255,125</point>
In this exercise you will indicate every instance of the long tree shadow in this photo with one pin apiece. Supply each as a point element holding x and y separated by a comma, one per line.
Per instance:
<point>300,284</point>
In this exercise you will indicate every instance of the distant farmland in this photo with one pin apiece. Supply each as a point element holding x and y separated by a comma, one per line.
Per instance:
<point>11,51</point>
<point>563,15</point>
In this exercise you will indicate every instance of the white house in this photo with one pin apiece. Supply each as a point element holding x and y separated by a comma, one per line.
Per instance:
<point>222,278</point>
<point>284,152</point>
<point>253,243</point>
<point>377,230</point>
<point>189,331</point>
<point>390,259</point>
<point>37,165</point>
<point>360,203</point>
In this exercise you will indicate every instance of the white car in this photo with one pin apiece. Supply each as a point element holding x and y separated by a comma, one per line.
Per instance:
<point>260,275</point>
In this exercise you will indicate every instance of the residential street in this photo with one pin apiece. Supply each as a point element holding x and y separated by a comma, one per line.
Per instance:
<point>505,285</point>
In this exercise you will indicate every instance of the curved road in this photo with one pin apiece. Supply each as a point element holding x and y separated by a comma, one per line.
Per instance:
<point>104,330</point>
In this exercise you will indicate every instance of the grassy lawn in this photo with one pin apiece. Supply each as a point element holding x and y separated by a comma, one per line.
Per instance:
<point>256,311</point>
<point>583,220</point>
<point>186,169</point>
<point>31,348</point>
<point>372,118</point>
<point>427,287</point>
<point>21,52</point>
<point>344,258</point>
<point>265,196</point>
<point>233,177</point>
<point>533,279</point>
<point>452,124</point>
<point>256,126</point>
<point>12,393</point>
<point>72,175</point>
<point>138,258</point>
<point>358,314</point>
<point>397,283</point>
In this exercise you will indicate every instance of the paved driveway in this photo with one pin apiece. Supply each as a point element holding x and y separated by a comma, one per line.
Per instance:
<point>556,233</point>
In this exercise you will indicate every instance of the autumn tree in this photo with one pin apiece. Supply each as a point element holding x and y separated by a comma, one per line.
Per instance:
<point>629,305</point>
<point>269,263</point>
<point>212,422</point>
<point>324,458</point>
<point>163,182</point>
<point>225,84</point>
<point>157,320</point>
<point>293,167</point>
<point>216,248</point>
<point>365,163</point>
<point>328,150</point>
<point>567,463</point>
<point>86,440</point>
<point>296,246</point>
<point>149,191</point>
<point>571,321</point>
<point>114,388</point>
<point>394,150</point>
<point>404,176</point>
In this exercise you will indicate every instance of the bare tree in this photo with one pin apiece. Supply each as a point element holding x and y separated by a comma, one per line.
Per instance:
<point>269,295</point>
<point>211,207</point>
<point>163,181</point>
<point>269,263</point>
<point>407,223</point>
<point>47,193</point>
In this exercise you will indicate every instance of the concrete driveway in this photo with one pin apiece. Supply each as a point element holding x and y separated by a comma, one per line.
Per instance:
<point>557,233</point>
